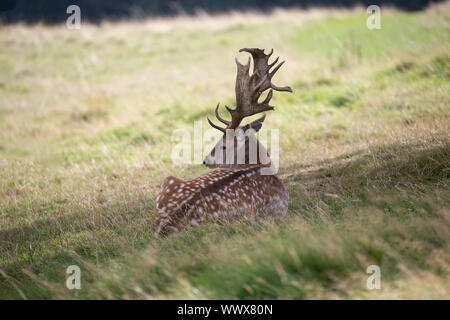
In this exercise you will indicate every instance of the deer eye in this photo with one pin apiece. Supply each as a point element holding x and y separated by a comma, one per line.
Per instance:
<point>224,147</point>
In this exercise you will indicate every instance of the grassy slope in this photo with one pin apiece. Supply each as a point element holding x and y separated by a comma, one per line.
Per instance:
<point>85,124</point>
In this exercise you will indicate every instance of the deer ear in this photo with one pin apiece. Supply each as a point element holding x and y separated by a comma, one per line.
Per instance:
<point>255,125</point>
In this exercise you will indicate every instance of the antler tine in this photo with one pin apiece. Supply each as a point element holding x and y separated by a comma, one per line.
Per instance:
<point>246,66</point>
<point>224,130</point>
<point>229,109</point>
<point>272,73</point>
<point>286,88</point>
<point>268,98</point>
<point>274,62</point>
<point>219,117</point>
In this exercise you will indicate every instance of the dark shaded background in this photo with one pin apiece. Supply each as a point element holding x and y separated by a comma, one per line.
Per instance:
<point>54,11</point>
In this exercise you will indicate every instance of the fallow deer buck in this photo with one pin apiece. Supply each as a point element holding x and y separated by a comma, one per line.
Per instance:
<point>241,189</point>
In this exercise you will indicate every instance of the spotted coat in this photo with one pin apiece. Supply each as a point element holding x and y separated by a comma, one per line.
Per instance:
<point>223,194</point>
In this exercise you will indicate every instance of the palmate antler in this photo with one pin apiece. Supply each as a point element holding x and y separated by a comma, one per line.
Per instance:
<point>250,87</point>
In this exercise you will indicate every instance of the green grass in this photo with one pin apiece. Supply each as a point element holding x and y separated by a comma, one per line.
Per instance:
<point>86,119</point>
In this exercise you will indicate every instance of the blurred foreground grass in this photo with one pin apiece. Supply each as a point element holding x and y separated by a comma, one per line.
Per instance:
<point>86,119</point>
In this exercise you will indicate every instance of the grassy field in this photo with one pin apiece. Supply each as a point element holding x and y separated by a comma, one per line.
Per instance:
<point>86,118</point>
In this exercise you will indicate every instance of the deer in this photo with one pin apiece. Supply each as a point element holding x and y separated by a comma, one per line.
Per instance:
<point>239,188</point>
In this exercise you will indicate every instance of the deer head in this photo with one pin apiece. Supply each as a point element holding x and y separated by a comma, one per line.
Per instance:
<point>239,146</point>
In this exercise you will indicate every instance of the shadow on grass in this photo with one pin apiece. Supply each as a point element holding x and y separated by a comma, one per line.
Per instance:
<point>388,167</point>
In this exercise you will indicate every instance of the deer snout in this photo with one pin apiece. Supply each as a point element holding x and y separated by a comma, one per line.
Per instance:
<point>208,161</point>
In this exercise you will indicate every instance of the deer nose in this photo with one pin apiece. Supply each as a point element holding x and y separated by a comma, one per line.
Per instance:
<point>204,162</point>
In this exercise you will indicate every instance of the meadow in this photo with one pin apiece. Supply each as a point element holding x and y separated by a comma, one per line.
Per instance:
<point>86,120</point>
